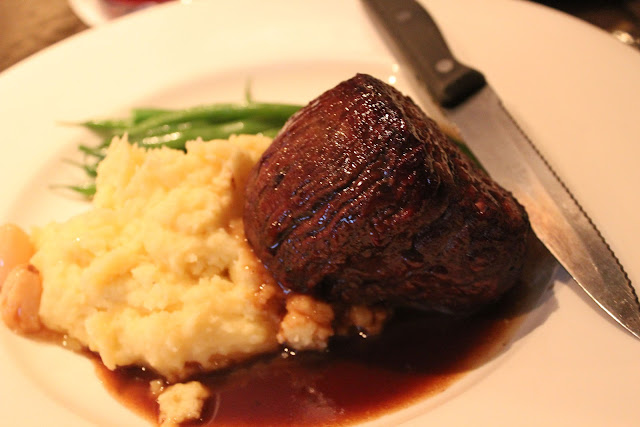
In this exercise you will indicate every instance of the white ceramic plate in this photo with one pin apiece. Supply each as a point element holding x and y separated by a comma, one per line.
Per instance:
<point>574,89</point>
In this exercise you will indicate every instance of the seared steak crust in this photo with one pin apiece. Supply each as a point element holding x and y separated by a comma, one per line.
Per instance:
<point>362,199</point>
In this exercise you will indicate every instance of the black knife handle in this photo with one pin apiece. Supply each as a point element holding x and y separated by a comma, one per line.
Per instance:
<point>416,37</point>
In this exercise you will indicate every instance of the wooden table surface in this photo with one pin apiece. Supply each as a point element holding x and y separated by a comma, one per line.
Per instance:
<point>27,26</point>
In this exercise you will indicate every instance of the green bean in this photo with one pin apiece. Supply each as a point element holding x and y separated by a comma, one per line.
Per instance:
<point>158,131</point>
<point>177,127</point>
<point>116,125</point>
<point>107,125</point>
<point>271,132</point>
<point>87,190</point>
<point>217,113</point>
<point>178,139</point>
<point>120,125</point>
<point>91,169</point>
<point>140,114</point>
<point>192,130</point>
<point>172,128</point>
<point>98,152</point>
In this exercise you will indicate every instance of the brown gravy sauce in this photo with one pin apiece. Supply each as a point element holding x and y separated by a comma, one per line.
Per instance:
<point>359,379</point>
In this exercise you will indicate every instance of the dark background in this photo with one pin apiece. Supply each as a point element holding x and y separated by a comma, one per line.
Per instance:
<point>611,15</point>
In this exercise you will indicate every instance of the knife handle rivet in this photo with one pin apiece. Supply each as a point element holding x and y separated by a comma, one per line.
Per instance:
<point>444,65</point>
<point>403,16</point>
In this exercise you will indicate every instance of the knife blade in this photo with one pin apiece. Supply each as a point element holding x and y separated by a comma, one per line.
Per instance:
<point>467,100</point>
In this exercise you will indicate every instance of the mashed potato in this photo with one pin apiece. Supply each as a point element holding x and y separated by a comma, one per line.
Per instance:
<point>181,402</point>
<point>157,273</point>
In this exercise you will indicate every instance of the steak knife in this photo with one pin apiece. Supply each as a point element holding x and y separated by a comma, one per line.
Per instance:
<point>509,156</point>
